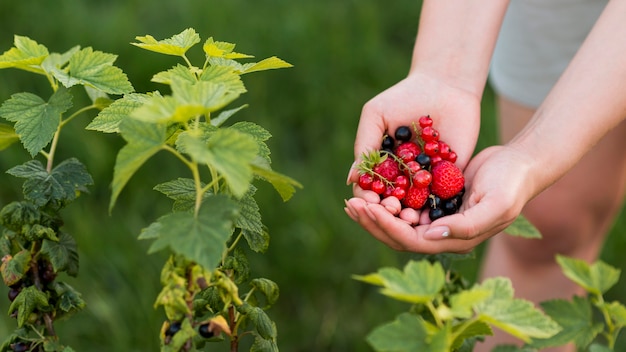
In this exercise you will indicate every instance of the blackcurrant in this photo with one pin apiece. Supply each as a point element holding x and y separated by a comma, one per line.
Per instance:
<point>388,143</point>
<point>423,160</point>
<point>403,133</point>
<point>13,292</point>
<point>204,331</point>
<point>433,201</point>
<point>450,206</point>
<point>173,328</point>
<point>435,213</point>
<point>20,347</point>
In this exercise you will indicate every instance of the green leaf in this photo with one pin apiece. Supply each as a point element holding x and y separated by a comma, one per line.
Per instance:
<point>221,49</point>
<point>464,332</point>
<point>266,64</point>
<point>599,348</point>
<point>408,333</point>
<point>227,151</point>
<point>420,282</point>
<point>203,238</point>
<point>259,134</point>
<point>36,120</point>
<point>515,316</point>
<point>27,55</point>
<point>265,327</point>
<point>576,321</point>
<point>262,345</point>
<point>249,221</point>
<point>462,304</point>
<point>617,312</point>
<point>176,45</point>
<point>178,72</point>
<point>284,185</point>
<point>179,339</point>
<point>69,300</point>
<point>596,278</point>
<point>268,288</point>
<point>7,136</point>
<point>225,115</point>
<point>225,76</point>
<point>95,69</point>
<point>63,184</point>
<point>203,95</point>
<point>14,268</point>
<point>521,227</point>
<point>109,119</point>
<point>144,140</point>
<point>63,254</point>
<point>26,302</point>
<point>182,191</point>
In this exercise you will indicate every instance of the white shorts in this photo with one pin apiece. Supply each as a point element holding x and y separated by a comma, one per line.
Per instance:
<point>536,43</point>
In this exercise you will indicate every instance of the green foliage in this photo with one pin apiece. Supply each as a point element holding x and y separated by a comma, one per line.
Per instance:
<point>35,249</point>
<point>214,208</point>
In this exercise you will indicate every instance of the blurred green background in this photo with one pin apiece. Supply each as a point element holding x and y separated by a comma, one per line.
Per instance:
<point>344,53</point>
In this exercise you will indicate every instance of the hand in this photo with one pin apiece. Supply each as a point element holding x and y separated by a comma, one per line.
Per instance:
<point>456,115</point>
<point>499,181</point>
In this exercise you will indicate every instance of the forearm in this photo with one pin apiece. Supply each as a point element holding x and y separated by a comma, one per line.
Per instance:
<point>587,102</point>
<point>455,41</point>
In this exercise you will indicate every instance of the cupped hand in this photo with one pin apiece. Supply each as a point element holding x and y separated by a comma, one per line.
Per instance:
<point>499,181</point>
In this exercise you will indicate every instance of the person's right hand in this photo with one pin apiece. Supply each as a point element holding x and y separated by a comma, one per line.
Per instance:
<point>456,115</point>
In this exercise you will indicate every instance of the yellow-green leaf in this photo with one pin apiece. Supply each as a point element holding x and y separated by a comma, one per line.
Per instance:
<point>7,136</point>
<point>521,227</point>
<point>596,278</point>
<point>27,55</point>
<point>176,45</point>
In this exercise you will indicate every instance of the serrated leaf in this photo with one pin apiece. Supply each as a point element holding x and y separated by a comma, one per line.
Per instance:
<point>617,312</point>
<point>26,302</point>
<point>521,227</point>
<point>69,300</point>
<point>176,45</point>
<point>265,327</point>
<point>462,304</point>
<point>517,317</point>
<point>268,288</point>
<point>284,185</point>
<point>266,64</point>
<point>144,140</point>
<point>225,115</point>
<point>214,48</point>
<point>596,278</point>
<point>63,254</point>
<point>157,109</point>
<point>95,69</point>
<point>259,134</point>
<point>63,184</point>
<point>407,333</point>
<point>36,120</point>
<point>7,136</point>
<point>249,221</point>
<point>262,345</point>
<point>182,191</point>
<point>465,332</point>
<point>14,268</point>
<point>203,238</point>
<point>576,321</point>
<point>178,72</point>
<point>56,61</point>
<point>225,76</point>
<point>26,54</point>
<point>226,151</point>
<point>109,119</point>
<point>419,282</point>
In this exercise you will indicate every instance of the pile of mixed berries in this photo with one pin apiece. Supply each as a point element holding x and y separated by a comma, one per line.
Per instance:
<point>417,167</point>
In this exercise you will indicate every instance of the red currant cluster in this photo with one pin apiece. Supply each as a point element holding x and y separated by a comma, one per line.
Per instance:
<point>417,168</point>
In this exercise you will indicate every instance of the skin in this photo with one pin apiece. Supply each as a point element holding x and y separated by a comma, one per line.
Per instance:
<point>547,162</point>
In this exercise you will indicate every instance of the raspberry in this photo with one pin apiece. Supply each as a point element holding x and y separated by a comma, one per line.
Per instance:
<point>407,151</point>
<point>416,197</point>
<point>388,169</point>
<point>448,180</point>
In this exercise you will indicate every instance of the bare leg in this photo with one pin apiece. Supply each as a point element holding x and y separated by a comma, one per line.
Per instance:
<point>573,215</point>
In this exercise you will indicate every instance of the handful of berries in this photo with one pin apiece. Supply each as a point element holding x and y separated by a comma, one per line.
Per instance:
<point>416,167</point>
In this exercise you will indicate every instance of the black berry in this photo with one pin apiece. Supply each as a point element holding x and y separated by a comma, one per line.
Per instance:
<point>435,213</point>
<point>450,206</point>
<point>433,201</point>
<point>388,143</point>
<point>403,133</point>
<point>204,331</point>
<point>173,328</point>
<point>20,347</point>
<point>13,292</point>
<point>423,160</point>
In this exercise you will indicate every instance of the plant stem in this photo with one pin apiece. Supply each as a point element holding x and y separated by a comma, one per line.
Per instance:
<point>234,341</point>
<point>53,147</point>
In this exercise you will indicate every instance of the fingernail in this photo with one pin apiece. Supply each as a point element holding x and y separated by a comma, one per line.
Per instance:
<point>350,173</point>
<point>437,232</point>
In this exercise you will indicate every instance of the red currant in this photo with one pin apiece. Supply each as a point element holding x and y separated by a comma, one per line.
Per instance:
<point>365,181</point>
<point>429,134</point>
<point>378,186</point>
<point>425,121</point>
<point>444,150</point>
<point>398,192</point>
<point>413,167</point>
<point>402,182</point>
<point>435,159</point>
<point>431,148</point>
<point>452,157</point>
<point>422,178</point>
